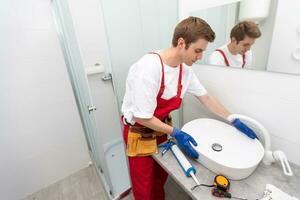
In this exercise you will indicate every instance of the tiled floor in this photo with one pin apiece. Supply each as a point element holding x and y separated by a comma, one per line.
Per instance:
<point>83,185</point>
<point>86,185</point>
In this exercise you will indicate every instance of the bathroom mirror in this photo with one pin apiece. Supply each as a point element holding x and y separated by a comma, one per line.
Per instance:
<point>278,48</point>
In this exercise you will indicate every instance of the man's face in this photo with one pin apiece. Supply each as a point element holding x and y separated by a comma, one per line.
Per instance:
<point>194,52</point>
<point>244,45</point>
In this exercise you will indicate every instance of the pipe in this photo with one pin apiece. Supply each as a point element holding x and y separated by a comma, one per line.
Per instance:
<point>263,135</point>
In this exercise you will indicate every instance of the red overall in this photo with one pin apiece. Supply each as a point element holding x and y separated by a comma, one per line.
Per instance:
<point>147,176</point>
<point>226,60</point>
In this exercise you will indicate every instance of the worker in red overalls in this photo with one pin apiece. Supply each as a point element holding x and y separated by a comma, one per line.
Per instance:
<point>238,52</point>
<point>155,86</point>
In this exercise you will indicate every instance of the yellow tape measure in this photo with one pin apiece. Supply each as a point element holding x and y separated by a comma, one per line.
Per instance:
<point>220,188</point>
<point>222,183</point>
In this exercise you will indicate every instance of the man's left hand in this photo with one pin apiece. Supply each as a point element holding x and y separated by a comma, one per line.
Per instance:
<point>244,128</point>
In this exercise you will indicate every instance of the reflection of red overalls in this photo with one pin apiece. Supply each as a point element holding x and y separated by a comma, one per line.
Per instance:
<point>226,60</point>
<point>147,176</point>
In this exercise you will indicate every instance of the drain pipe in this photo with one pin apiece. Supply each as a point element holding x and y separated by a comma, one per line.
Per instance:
<point>263,135</point>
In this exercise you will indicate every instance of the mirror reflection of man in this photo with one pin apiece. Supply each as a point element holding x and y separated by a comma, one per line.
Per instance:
<point>237,53</point>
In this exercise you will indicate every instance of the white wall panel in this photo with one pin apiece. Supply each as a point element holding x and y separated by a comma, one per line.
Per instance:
<point>41,138</point>
<point>286,38</point>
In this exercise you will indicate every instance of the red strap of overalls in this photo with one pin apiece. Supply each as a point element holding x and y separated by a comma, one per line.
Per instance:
<point>224,56</point>
<point>162,85</point>
<point>226,60</point>
<point>179,86</point>
<point>244,61</point>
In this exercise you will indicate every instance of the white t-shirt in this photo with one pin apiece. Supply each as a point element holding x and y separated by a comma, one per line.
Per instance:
<point>216,58</point>
<point>144,81</point>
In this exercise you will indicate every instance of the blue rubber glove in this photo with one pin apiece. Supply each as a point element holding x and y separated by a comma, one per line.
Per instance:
<point>184,141</point>
<point>244,128</point>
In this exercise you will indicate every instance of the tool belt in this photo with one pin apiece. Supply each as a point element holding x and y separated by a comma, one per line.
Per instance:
<point>142,140</point>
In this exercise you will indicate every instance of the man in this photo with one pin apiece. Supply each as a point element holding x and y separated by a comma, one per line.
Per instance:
<point>155,86</point>
<point>237,53</point>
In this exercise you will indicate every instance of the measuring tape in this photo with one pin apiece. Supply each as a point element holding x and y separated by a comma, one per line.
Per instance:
<point>222,183</point>
<point>220,187</point>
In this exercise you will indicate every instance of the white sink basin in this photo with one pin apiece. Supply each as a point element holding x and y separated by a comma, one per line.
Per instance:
<point>223,149</point>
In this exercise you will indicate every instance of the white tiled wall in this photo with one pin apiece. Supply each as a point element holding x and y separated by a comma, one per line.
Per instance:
<point>271,98</point>
<point>41,138</point>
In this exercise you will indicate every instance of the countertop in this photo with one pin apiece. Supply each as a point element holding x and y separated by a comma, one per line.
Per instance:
<point>250,188</point>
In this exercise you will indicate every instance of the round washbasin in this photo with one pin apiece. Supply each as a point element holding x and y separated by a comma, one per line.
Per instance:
<point>223,149</point>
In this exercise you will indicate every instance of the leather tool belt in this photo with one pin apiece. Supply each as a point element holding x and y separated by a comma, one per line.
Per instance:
<point>142,140</point>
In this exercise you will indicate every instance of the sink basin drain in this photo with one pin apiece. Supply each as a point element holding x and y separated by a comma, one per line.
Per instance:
<point>216,147</point>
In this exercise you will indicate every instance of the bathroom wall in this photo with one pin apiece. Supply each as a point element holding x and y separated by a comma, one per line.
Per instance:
<point>41,138</point>
<point>286,39</point>
<point>271,98</point>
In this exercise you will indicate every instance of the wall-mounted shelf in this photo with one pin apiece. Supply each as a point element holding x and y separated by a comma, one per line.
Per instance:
<point>94,70</point>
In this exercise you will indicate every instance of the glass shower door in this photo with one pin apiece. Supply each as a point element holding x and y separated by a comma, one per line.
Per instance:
<point>80,87</point>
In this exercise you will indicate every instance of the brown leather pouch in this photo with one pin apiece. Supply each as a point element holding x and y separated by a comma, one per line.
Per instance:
<point>142,140</point>
<point>137,145</point>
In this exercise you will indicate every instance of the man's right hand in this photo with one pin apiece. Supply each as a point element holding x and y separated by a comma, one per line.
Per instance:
<point>184,141</point>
